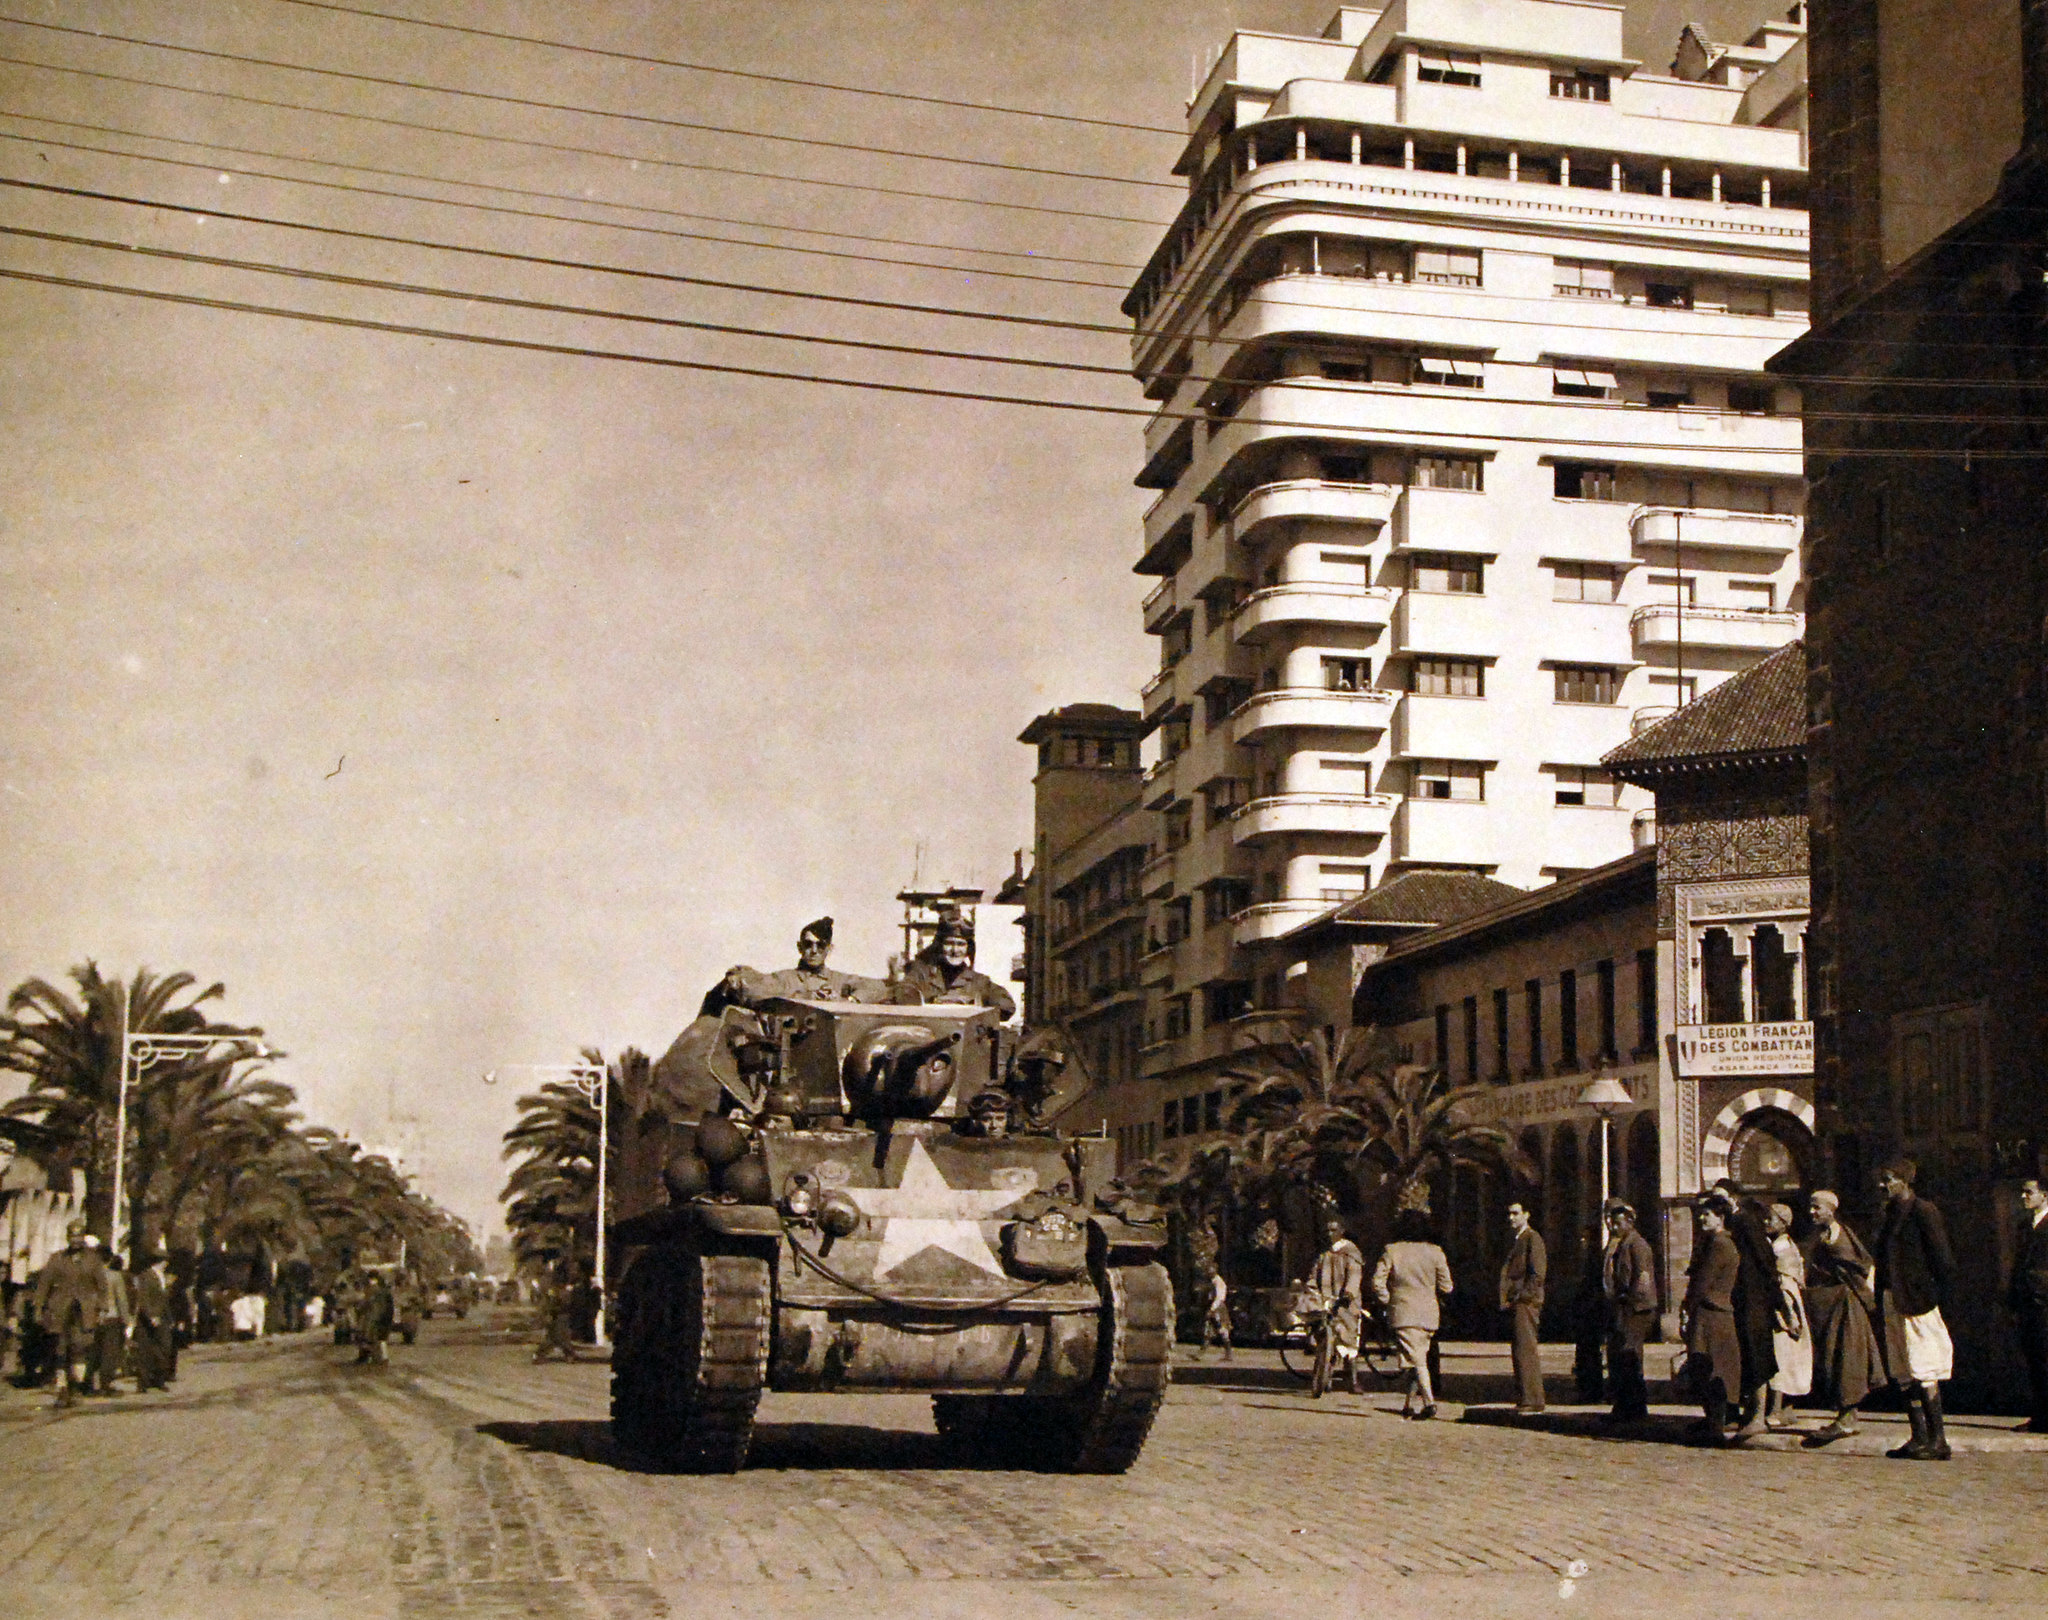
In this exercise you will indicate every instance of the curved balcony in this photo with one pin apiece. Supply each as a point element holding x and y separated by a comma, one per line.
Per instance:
<point>1722,629</point>
<point>1156,695</point>
<point>1756,532</point>
<point>1272,918</point>
<point>1650,714</point>
<point>1280,607</point>
<point>1295,707</point>
<point>1160,605</point>
<point>1319,498</point>
<point>1156,786</point>
<point>1355,814</point>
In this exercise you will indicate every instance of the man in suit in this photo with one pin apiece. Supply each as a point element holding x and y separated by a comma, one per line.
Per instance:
<point>1914,1271</point>
<point>1521,1296</point>
<point>151,1349</point>
<point>2028,1297</point>
<point>1628,1287</point>
<point>73,1296</point>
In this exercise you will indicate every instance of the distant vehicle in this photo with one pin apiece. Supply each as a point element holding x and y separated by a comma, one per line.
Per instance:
<point>876,1206</point>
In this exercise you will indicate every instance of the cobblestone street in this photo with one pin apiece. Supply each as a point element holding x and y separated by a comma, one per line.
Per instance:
<point>279,1479</point>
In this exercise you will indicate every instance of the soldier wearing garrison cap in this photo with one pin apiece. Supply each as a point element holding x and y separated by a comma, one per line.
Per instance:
<point>809,980</point>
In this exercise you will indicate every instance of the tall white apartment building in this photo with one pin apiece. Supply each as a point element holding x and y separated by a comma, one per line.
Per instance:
<point>1466,457</point>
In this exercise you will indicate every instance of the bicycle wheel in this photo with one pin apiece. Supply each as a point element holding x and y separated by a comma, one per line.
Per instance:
<point>1325,1354</point>
<point>1297,1355</point>
<point>1382,1357</point>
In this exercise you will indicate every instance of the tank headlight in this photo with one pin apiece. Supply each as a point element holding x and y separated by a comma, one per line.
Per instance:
<point>838,1215</point>
<point>799,1197</point>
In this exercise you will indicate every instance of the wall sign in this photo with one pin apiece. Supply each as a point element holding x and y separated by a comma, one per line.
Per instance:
<point>1708,1050</point>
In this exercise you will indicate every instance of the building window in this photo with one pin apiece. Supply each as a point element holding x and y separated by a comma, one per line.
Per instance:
<point>1447,267</point>
<point>1773,971</point>
<point>1646,1002</point>
<point>1605,1001</point>
<point>1368,261</point>
<point>1442,372</point>
<point>1582,582</point>
<point>1347,674</point>
<point>1747,298</point>
<point>1447,472</point>
<point>1532,1011</point>
<point>1169,1121</point>
<point>1582,278</point>
<point>1751,399</point>
<point>1572,382</point>
<point>1500,1036</point>
<point>1722,971</point>
<point>1341,880</point>
<point>1179,1017</point>
<point>1443,1038</point>
<point>1568,1020</point>
<point>1585,785</point>
<point>1448,572</point>
<point>1449,779</point>
<point>1224,899</point>
<point>1580,86</point>
<point>1447,677</point>
<point>1222,1002</point>
<point>1668,295</point>
<point>1757,595</point>
<point>1173,736</point>
<point>1586,683</point>
<point>1939,1060</point>
<point>1178,918</point>
<point>1212,1110</point>
<point>1676,587</point>
<point>1670,397</point>
<point>1447,67</point>
<point>1582,481</point>
<point>1469,1012</point>
<point>1337,469</point>
<point>1226,795</point>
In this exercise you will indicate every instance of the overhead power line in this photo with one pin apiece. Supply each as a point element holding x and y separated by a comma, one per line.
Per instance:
<point>534,104</point>
<point>480,185</point>
<point>528,345</point>
<point>919,351</point>
<point>741,73</point>
<point>634,158</point>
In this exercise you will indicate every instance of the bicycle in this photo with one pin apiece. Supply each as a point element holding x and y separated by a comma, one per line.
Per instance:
<point>1308,1347</point>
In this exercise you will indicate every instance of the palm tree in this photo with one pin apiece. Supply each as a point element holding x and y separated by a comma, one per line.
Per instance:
<point>70,1050</point>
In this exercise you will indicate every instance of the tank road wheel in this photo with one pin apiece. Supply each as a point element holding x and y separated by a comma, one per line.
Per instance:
<point>1103,1430</point>
<point>692,1358</point>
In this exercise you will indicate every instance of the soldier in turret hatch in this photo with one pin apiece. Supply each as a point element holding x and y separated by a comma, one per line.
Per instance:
<point>943,972</point>
<point>809,980</point>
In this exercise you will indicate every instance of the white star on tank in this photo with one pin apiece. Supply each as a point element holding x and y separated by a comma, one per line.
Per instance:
<point>927,1212</point>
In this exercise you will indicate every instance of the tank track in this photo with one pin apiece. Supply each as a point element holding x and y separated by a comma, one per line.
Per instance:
<point>1102,1431</point>
<point>692,1359</point>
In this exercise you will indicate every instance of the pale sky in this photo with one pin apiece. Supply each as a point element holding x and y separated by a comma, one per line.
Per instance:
<point>462,707</point>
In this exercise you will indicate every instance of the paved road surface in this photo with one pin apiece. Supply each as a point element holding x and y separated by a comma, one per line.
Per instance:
<point>279,1480</point>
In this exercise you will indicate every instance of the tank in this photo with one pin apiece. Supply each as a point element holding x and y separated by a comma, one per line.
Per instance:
<point>875,1206</point>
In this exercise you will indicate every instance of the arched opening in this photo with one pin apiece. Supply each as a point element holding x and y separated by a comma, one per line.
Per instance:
<point>1721,977</point>
<point>1772,1153</point>
<point>1771,973</point>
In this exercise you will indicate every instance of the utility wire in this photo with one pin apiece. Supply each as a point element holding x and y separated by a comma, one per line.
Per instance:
<point>740,73</point>
<point>920,351</point>
<point>468,296</point>
<point>481,185</point>
<point>533,104</point>
<point>528,345</point>
<point>753,174</point>
<point>635,158</point>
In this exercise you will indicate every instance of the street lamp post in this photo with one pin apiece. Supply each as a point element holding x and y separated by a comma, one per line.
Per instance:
<point>1607,1097</point>
<point>142,1050</point>
<point>593,1082</point>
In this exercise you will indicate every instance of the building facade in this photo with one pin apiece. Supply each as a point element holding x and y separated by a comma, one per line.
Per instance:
<point>1928,697</point>
<point>1467,462</point>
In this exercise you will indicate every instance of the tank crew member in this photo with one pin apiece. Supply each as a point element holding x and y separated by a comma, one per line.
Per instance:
<point>809,980</point>
<point>942,972</point>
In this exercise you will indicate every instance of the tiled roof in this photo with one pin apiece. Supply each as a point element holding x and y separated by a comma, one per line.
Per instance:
<point>1760,711</point>
<point>1424,897</point>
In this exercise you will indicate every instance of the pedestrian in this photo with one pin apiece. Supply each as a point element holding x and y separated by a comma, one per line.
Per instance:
<point>1914,1270</point>
<point>245,1312</point>
<point>1756,1304</point>
<point>1412,1280</point>
<point>374,1316</point>
<point>1713,1350</point>
<point>110,1339</point>
<point>2028,1297</point>
<point>1521,1296</point>
<point>1216,1319</point>
<point>1628,1288</point>
<point>72,1297</point>
<point>1791,1335</point>
<point>556,1299</point>
<point>1336,1291</point>
<point>1841,1304</point>
<point>152,1348</point>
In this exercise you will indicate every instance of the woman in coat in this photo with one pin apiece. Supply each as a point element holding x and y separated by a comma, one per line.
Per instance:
<point>1791,1334</point>
<point>1708,1317</point>
<point>1411,1280</point>
<point>1840,1303</point>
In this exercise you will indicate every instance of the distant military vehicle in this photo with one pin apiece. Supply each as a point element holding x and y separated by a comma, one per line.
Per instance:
<point>875,1206</point>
